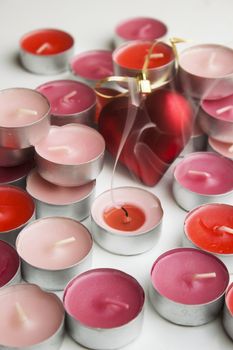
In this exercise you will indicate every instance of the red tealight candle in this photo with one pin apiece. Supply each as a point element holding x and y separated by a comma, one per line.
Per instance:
<point>127,218</point>
<point>9,264</point>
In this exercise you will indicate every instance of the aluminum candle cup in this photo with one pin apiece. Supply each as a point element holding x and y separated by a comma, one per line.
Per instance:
<point>9,265</point>
<point>24,119</point>
<point>216,118</point>
<point>126,226</point>
<point>30,318</point>
<point>15,175</point>
<point>209,228</point>
<point>206,71</point>
<point>10,157</point>
<point>129,58</point>
<point>222,148</point>
<point>108,316</point>
<point>187,286</point>
<point>17,209</point>
<point>52,200</point>
<point>71,155</point>
<point>203,177</point>
<point>139,28</point>
<point>228,312</point>
<point>52,260</point>
<point>71,102</point>
<point>46,51</point>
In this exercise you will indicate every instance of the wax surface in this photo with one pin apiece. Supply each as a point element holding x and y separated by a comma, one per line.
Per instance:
<point>93,65</point>
<point>57,40</point>
<point>223,148</point>
<point>16,208</point>
<point>87,298</point>
<point>220,171</point>
<point>116,218</point>
<point>57,90</point>
<point>141,28</point>
<point>14,101</point>
<point>43,310</point>
<point>145,201</point>
<point>36,244</point>
<point>9,174</point>
<point>172,276</point>
<point>133,55</point>
<point>229,298</point>
<point>9,263</point>
<point>207,60</point>
<point>212,106</point>
<point>201,228</point>
<point>82,144</point>
<point>49,193</point>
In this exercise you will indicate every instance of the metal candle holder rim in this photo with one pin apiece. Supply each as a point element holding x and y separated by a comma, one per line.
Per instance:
<point>116,232</point>
<point>230,286</point>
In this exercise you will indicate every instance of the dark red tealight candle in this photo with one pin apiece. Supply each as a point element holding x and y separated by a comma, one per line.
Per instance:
<point>9,263</point>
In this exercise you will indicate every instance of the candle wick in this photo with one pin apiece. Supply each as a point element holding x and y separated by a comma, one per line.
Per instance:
<point>59,148</point>
<point>21,313</point>
<point>68,96</point>
<point>224,229</point>
<point>224,109</point>
<point>27,111</point>
<point>199,276</point>
<point>230,149</point>
<point>127,219</point>
<point>202,174</point>
<point>65,241</point>
<point>43,47</point>
<point>157,55</point>
<point>121,304</point>
<point>143,29</point>
<point>212,58</point>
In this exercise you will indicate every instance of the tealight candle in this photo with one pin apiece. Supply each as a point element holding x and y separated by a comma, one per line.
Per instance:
<point>15,175</point>
<point>46,51</point>
<point>13,157</point>
<point>71,101</point>
<point>52,200</point>
<point>139,28</point>
<point>223,148</point>
<point>216,118</point>
<point>203,177</point>
<point>17,209</point>
<point>9,265</point>
<point>105,317</point>
<point>51,260</point>
<point>188,286</point>
<point>24,117</point>
<point>71,155</point>
<point>130,57</point>
<point>210,228</point>
<point>206,71</point>
<point>91,66</point>
<point>127,220</point>
<point>30,318</point>
<point>228,311</point>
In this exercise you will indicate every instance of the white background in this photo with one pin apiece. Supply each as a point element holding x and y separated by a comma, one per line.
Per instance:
<point>92,23</point>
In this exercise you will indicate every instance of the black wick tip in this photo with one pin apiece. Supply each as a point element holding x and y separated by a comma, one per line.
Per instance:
<point>125,211</point>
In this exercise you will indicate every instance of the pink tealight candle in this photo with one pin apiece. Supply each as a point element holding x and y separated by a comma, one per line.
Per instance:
<point>15,175</point>
<point>203,177</point>
<point>188,286</point>
<point>46,51</point>
<point>71,155</point>
<point>216,118</point>
<point>139,28</point>
<point>228,312</point>
<point>30,318</point>
<point>24,117</point>
<point>52,200</point>
<point>92,66</point>
<point>51,260</point>
<point>71,101</point>
<point>206,71</point>
<point>105,317</point>
<point>223,148</point>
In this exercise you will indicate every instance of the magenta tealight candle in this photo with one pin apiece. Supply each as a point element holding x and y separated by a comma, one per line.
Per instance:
<point>91,66</point>
<point>9,265</point>
<point>203,177</point>
<point>105,317</point>
<point>139,28</point>
<point>30,318</point>
<point>188,286</point>
<point>228,311</point>
<point>71,102</point>
<point>206,71</point>
<point>71,155</point>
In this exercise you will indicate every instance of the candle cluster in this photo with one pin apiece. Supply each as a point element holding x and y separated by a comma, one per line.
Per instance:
<point>48,134</point>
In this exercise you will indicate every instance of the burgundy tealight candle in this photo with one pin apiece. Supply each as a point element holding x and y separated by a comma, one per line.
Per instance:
<point>223,148</point>
<point>46,51</point>
<point>188,286</point>
<point>139,28</point>
<point>71,102</point>
<point>9,265</point>
<point>15,175</point>
<point>228,311</point>
<point>105,317</point>
<point>91,66</point>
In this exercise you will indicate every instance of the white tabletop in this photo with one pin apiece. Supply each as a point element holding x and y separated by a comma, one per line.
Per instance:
<point>91,23</point>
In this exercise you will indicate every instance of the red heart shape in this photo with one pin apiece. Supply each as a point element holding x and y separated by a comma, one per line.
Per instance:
<point>162,127</point>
